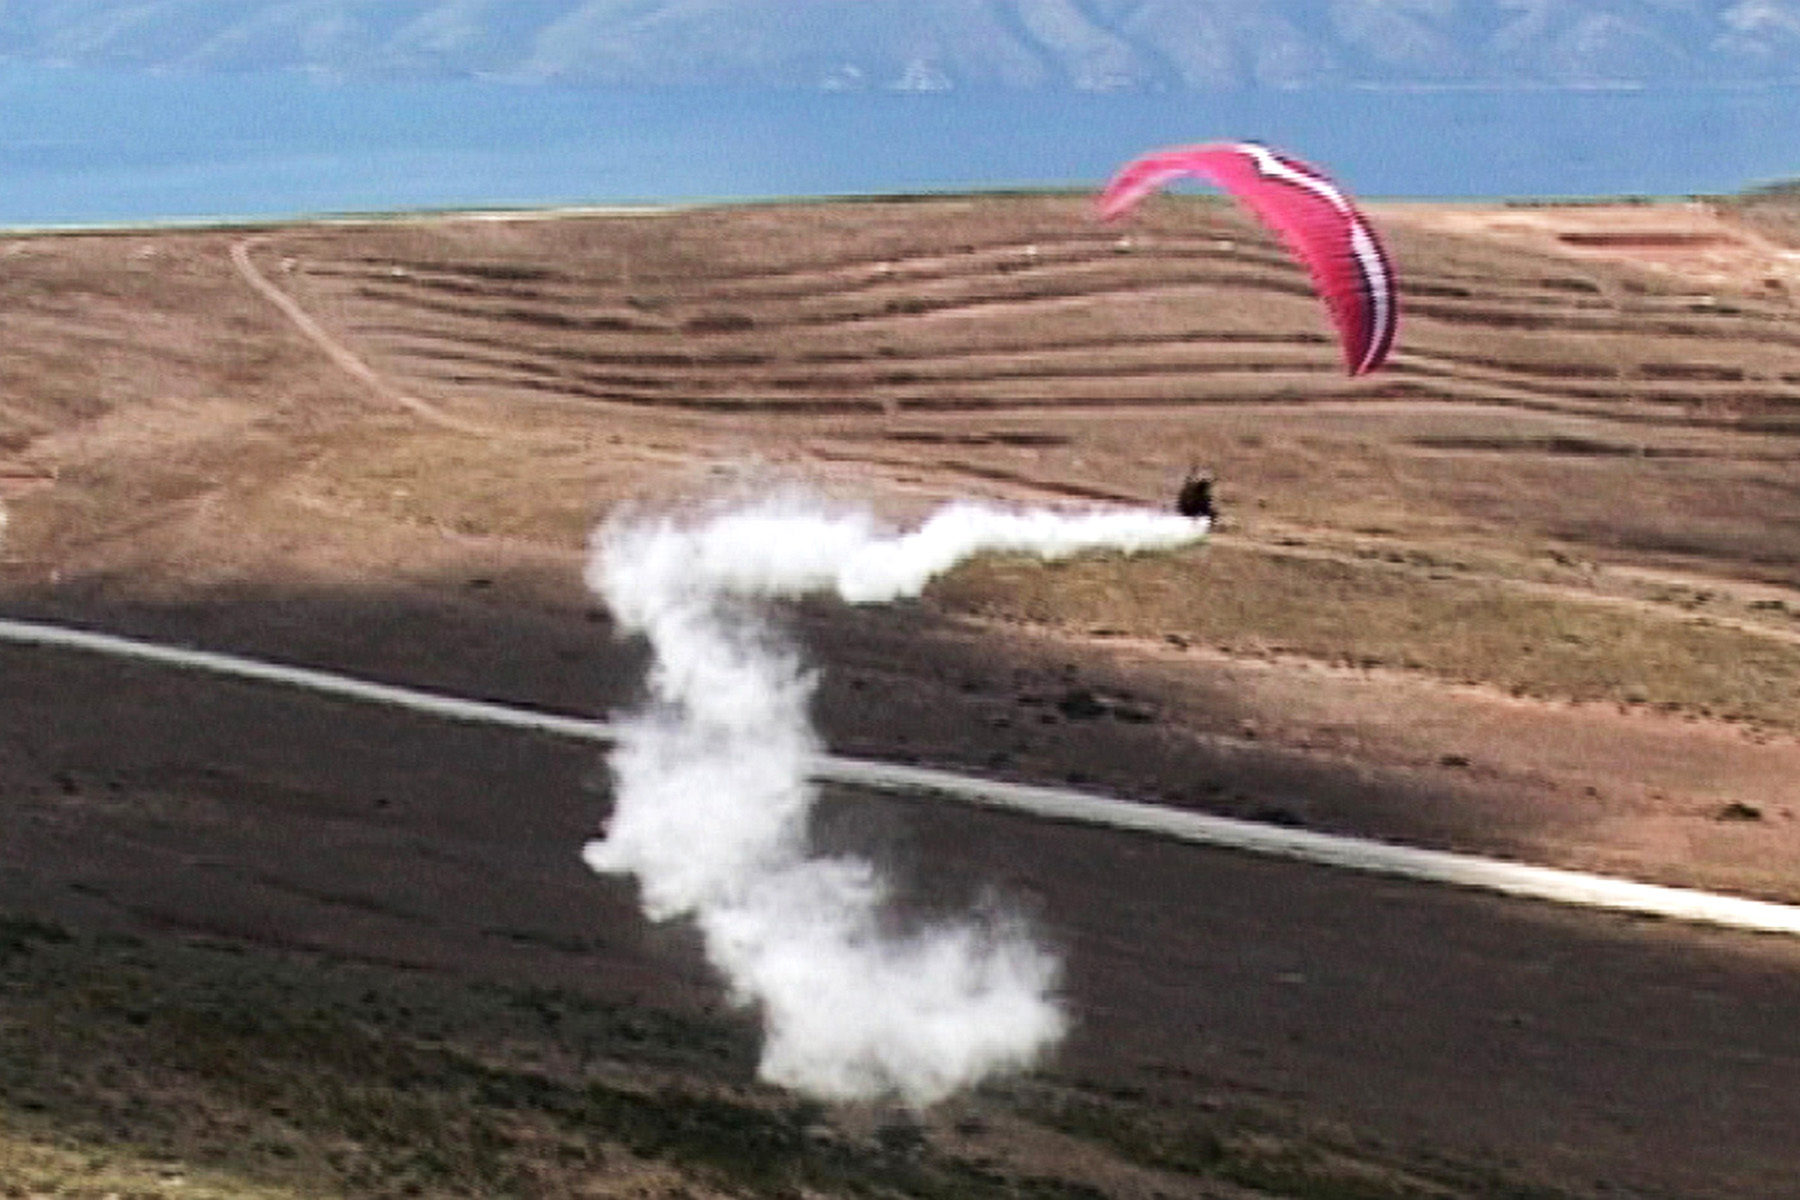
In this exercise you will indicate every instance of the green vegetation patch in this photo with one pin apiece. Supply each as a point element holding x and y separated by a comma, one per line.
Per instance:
<point>1367,614</point>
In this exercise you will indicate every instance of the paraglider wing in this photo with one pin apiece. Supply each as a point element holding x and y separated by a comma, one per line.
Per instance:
<point>1321,227</point>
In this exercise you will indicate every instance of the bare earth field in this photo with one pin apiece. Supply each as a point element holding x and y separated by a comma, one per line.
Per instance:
<point>1533,591</point>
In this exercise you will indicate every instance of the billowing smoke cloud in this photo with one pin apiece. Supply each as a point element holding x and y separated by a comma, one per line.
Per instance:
<point>712,793</point>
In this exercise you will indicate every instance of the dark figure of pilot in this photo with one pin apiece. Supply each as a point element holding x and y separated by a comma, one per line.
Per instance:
<point>1195,498</point>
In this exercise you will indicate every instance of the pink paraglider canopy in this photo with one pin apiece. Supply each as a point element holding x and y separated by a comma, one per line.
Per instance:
<point>1321,227</point>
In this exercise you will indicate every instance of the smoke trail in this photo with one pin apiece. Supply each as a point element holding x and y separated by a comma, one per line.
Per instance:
<point>712,794</point>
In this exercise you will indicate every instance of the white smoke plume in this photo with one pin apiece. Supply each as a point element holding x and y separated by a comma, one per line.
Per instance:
<point>712,793</point>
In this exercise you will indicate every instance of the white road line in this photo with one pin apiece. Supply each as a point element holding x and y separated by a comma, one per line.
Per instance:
<point>1558,886</point>
<point>453,708</point>
<point>1573,888</point>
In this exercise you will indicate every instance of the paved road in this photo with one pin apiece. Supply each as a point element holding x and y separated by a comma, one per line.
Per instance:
<point>1661,1058</point>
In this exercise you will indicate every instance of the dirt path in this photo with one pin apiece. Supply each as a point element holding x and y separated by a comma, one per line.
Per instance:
<point>346,359</point>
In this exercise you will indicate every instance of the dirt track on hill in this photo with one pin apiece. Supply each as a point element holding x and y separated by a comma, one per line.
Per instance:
<point>381,448</point>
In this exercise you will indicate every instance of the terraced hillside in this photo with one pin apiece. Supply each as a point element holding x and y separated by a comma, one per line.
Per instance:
<point>1572,485</point>
<point>982,317</point>
<point>1534,590</point>
<point>954,306</point>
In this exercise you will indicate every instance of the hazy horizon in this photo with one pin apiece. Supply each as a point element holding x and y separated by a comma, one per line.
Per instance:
<point>85,146</point>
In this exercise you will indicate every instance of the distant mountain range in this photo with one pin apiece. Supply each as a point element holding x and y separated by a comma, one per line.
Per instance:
<point>1093,45</point>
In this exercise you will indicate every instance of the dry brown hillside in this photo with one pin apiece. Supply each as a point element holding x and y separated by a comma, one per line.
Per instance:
<point>1543,568</point>
<point>1533,590</point>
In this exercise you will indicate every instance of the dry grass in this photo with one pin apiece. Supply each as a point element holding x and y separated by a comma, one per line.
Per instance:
<point>1541,404</point>
<point>1773,211</point>
<point>1369,615</point>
